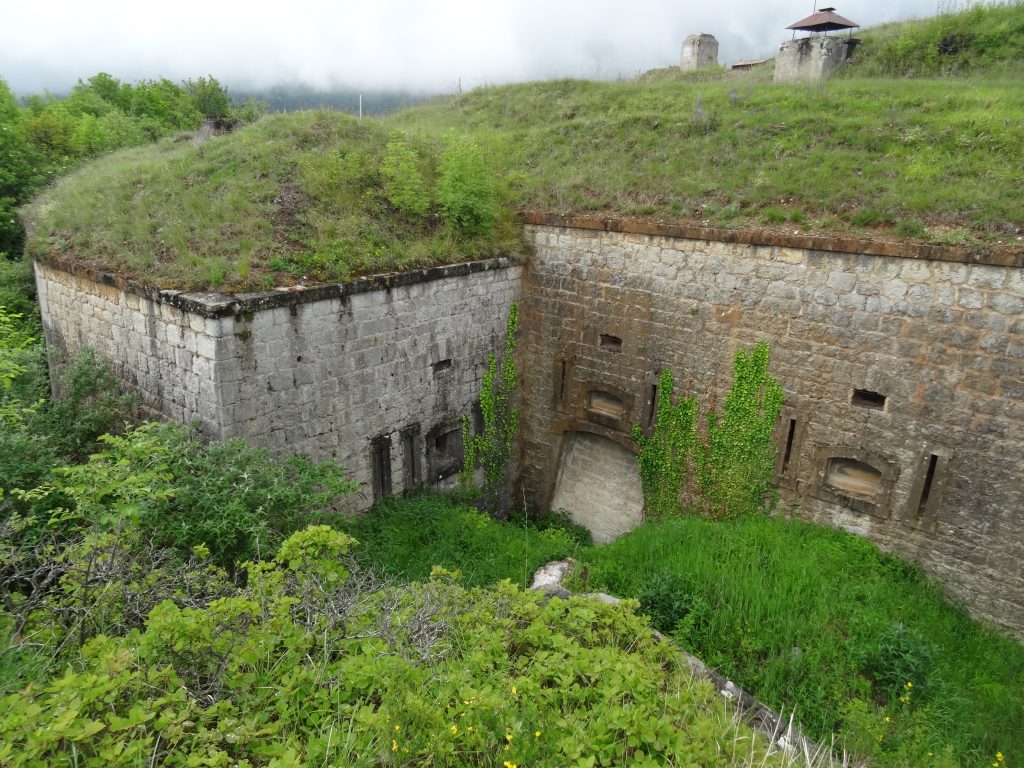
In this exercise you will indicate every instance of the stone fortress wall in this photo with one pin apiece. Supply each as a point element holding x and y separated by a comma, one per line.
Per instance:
<point>375,374</point>
<point>901,365</point>
<point>903,374</point>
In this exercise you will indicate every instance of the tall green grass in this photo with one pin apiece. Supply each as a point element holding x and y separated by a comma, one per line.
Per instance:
<point>820,620</point>
<point>406,537</point>
<point>981,39</point>
<point>291,198</point>
<point>806,618</point>
<point>938,157</point>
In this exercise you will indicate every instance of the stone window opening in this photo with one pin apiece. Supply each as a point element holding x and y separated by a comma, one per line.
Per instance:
<point>412,449</point>
<point>652,410</point>
<point>380,467</point>
<point>851,477</point>
<point>788,452</point>
<point>605,404</point>
<point>926,488</point>
<point>865,398</point>
<point>927,491</point>
<point>442,365</point>
<point>610,343</point>
<point>444,450</point>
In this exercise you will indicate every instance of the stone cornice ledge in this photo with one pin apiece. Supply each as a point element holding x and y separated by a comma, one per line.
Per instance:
<point>211,304</point>
<point>997,255</point>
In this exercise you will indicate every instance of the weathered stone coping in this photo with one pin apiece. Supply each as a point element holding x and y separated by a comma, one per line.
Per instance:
<point>211,304</point>
<point>548,579</point>
<point>996,255</point>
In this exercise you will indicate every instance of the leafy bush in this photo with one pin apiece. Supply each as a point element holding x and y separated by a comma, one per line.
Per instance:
<point>899,655</point>
<point>292,670</point>
<point>404,187</point>
<point>235,501</point>
<point>465,191</point>
<point>668,599</point>
<point>555,519</point>
<point>88,404</point>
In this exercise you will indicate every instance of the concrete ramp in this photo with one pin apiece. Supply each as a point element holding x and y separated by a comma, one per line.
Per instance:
<point>599,486</point>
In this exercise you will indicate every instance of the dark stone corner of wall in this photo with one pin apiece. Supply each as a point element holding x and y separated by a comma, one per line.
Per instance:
<point>995,255</point>
<point>211,304</point>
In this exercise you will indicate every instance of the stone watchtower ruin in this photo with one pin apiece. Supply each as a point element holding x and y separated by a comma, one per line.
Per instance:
<point>699,52</point>
<point>813,58</point>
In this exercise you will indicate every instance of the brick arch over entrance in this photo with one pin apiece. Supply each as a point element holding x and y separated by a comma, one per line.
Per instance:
<point>599,485</point>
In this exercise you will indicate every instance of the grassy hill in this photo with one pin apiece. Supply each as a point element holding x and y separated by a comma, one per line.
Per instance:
<point>981,40</point>
<point>307,196</point>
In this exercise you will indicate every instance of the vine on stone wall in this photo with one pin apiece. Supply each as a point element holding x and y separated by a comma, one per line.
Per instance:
<point>492,449</point>
<point>726,469</point>
<point>666,456</point>
<point>736,459</point>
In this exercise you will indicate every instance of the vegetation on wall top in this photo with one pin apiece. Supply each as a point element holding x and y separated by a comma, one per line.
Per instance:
<point>314,196</point>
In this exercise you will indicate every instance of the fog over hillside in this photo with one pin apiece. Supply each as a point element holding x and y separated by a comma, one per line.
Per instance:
<point>409,45</point>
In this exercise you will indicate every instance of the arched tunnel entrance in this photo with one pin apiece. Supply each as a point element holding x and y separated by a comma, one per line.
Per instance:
<point>599,486</point>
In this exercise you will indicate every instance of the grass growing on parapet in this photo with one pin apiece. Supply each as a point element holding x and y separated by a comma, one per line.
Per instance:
<point>293,198</point>
<point>407,537</point>
<point>319,196</point>
<point>881,157</point>
<point>820,620</point>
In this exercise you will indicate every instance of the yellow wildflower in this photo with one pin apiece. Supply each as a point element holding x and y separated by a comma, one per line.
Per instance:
<point>536,734</point>
<point>455,729</point>
<point>394,745</point>
<point>509,737</point>
<point>513,690</point>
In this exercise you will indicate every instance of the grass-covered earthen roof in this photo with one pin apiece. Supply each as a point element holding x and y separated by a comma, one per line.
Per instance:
<point>311,196</point>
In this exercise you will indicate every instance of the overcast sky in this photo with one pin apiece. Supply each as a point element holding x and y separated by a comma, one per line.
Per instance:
<point>424,45</point>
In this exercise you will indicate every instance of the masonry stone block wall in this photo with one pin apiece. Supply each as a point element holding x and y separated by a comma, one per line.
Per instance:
<point>698,52</point>
<point>375,374</point>
<point>811,59</point>
<point>904,412</point>
<point>901,365</point>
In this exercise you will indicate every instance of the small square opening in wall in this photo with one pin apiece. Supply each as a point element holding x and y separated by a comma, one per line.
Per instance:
<point>610,343</point>
<point>853,477</point>
<point>865,398</point>
<point>442,365</point>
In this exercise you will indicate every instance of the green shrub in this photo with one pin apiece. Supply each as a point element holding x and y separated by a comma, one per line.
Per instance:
<point>668,599</point>
<point>404,187</point>
<point>280,674</point>
<point>235,501</point>
<point>465,191</point>
<point>88,404</point>
<point>896,657</point>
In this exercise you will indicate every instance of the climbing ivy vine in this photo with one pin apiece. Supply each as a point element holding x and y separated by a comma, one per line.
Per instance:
<point>736,460</point>
<point>492,448</point>
<point>666,456</point>
<point>725,469</point>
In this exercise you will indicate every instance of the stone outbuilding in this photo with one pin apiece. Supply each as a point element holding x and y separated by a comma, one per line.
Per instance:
<point>813,58</point>
<point>699,52</point>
